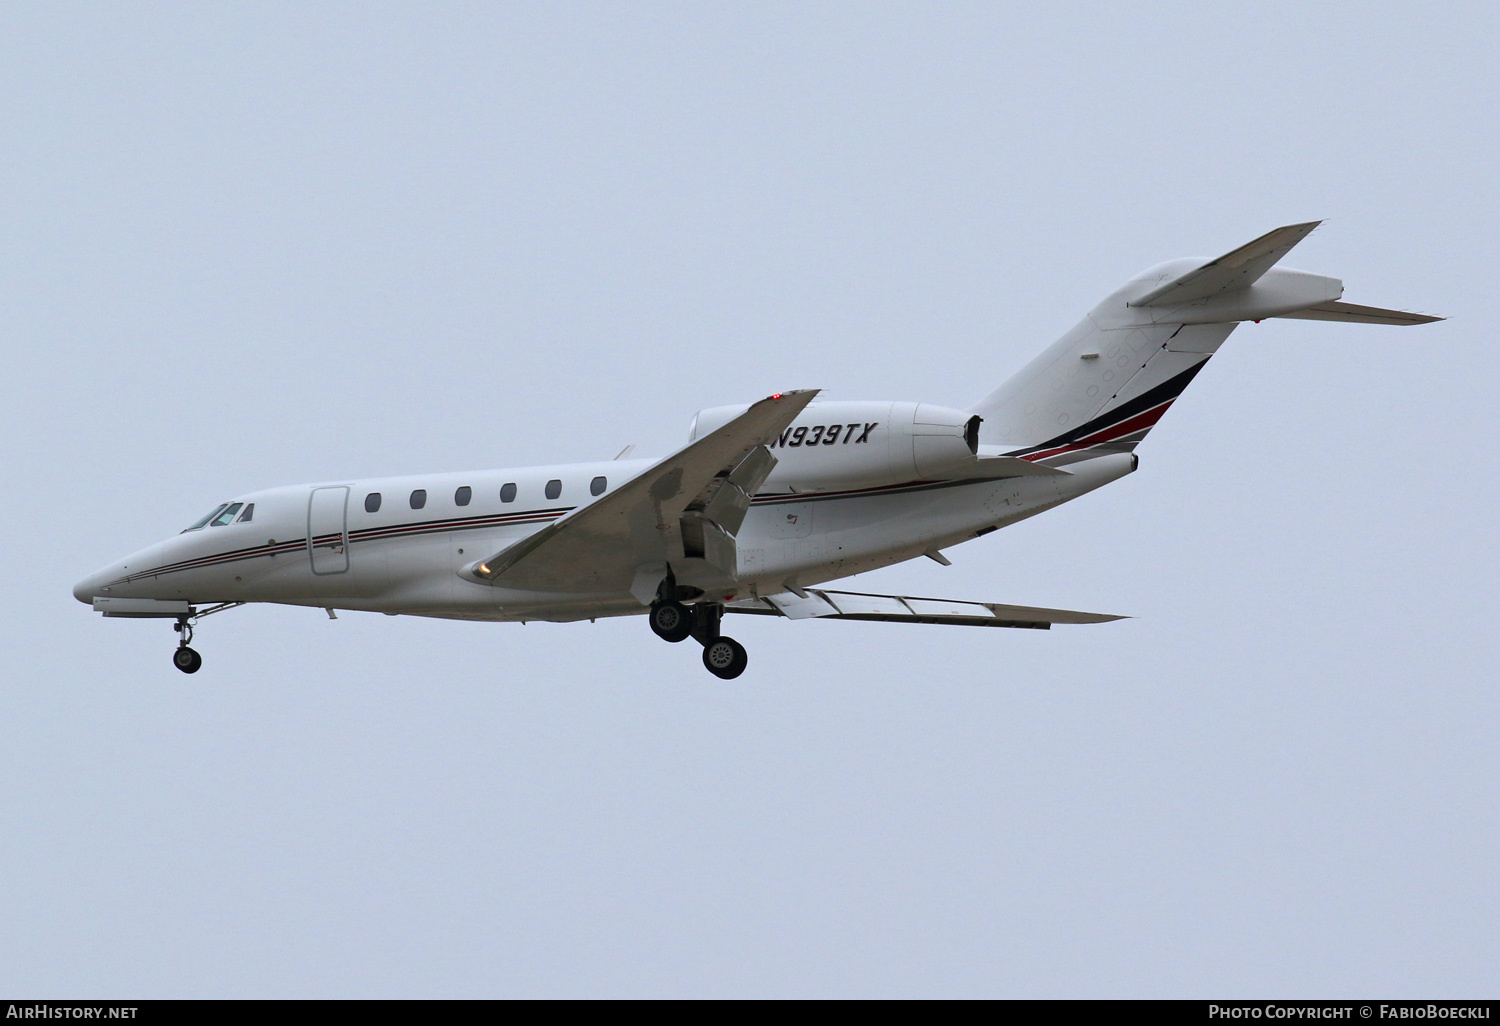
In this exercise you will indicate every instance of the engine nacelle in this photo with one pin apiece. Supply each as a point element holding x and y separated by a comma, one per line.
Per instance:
<point>835,446</point>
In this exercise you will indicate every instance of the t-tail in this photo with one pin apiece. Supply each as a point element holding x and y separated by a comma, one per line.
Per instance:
<point>1102,386</point>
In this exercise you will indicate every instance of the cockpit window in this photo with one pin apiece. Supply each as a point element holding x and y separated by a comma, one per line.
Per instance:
<point>226,516</point>
<point>201,523</point>
<point>248,515</point>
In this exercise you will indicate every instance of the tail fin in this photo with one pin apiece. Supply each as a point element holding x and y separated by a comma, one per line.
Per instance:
<point>1105,384</point>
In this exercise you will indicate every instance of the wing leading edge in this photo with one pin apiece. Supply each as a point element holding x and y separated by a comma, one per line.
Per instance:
<point>850,605</point>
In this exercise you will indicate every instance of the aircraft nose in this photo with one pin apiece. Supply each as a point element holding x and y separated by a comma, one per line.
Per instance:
<point>85,589</point>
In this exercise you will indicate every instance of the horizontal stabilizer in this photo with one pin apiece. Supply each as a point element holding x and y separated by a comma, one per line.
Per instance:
<point>991,464</point>
<point>1356,314</point>
<point>1236,269</point>
<point>850,605</point>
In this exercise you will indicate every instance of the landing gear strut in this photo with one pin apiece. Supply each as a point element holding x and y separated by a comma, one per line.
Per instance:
<point>672,621</point>
<point>723,657</point>
<point>185,659</point>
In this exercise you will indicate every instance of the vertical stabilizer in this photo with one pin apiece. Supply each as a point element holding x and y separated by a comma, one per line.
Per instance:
<point>1106,383</point>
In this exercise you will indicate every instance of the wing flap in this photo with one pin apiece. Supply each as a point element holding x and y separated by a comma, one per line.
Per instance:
<point>850,605</point>
<point>795,607</point>
<point>727,504</point>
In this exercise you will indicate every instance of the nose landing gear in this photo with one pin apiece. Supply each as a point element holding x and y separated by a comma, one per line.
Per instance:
<point>187,659</point>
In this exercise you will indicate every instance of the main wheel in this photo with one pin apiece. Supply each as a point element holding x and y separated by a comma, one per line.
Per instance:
<point>671,621</point>
<point>725,658</point>
<point>186,660</point>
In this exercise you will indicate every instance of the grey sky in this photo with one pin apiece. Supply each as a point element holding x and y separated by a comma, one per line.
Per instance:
<point>247,245</point>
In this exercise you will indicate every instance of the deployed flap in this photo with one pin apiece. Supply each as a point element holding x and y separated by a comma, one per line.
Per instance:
<point>1234,270</point>
<point>1357,314</point>
<point>601,546</point>
<point>728,503</point>
<point>851,605</point>
<point>795,607</point>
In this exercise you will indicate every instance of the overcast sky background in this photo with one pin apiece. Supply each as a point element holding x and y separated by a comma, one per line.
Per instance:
<point>257,244</point>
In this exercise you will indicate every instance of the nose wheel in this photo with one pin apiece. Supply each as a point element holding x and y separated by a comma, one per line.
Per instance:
<point>185,659</point>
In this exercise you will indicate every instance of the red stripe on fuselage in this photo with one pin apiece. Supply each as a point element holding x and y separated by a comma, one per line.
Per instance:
<point>1141,421</point>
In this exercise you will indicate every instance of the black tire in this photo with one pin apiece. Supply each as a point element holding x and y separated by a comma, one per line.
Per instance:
<point>671,621</point>
<point>186,660</point>
<point>725,657</point>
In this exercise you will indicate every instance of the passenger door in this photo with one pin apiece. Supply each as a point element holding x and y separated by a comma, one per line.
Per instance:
<point>328,530</point>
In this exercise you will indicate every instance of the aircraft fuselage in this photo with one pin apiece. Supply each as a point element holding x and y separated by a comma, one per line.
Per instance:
<point>318,544</point>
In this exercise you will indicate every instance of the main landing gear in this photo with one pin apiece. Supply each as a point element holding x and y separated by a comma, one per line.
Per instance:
<point>725,657</point>
<point>672,621</point>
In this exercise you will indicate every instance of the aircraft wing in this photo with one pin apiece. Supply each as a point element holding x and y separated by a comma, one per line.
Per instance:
<point>624,540</point>
<point>852,605</point>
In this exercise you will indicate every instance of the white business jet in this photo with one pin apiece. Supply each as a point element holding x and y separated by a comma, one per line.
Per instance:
<point>765,502</point>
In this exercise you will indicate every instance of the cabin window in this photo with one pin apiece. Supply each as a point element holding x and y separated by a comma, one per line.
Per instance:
<point>226,516</point>
<point>508,492</point>
<point>248,515</point>
<point>554,488</point>
<point>597,486</point>
<point>372,502</point>
<point>462,496</point>
<point>419,498</point>
<point>200,523</point>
